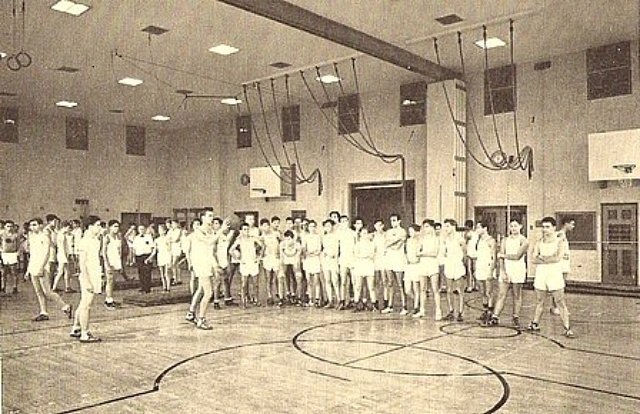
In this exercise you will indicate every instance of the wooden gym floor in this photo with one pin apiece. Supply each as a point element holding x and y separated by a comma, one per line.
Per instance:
<point>294,360</point>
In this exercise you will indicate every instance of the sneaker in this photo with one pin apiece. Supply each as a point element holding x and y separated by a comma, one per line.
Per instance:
<point>90,339</point>
<point>387,310</point>
<point>327,306</point>
<point>110,305</point>
<point>468,290</point>
<point>340,306</point>
<point>202,324</point>
<point>554,311</point>
<point>279,304</point>
<point>459,318</point>
<point>450,317</point>
<point>516,322</point>
<point>41,317</point>
<point>418,315</point>
<point>493,321</point>
<point>533,327</point>
<point>569,333</point>
<point>404,312</point>
<point>68,310</point>
<point>216,306</point>
<point>269,302</point>
<point>190,317</point>
<point>75,333</point>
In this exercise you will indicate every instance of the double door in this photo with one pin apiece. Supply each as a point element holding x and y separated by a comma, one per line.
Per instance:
<point>620,244</point>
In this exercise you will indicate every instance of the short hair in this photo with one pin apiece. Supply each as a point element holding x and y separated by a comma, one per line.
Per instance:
<point>9,222</point>
<point>288,233</point>
<point>514,220</point>
<point>264,221</point>
<point>396,215</point>
<point>275,218</point>
<point>344,217</point>
<point>93,220</point>
<point>378,220</point>
<point>205,211</point>
<point>566,219</point>
<point>415,227</point>
<point>112,222</point>
<point>359,219</point>
<point>482,224</point>
<point>64,223</point>
<point>429,222</point>
<point>468,224</point>
<point>437,225</point>
<point>549,220</point>
<point>194,221</point>
<point>451,221</point>
<point>289,219</point>
<point>337,213</point>
<point>49,217</point>
<point>329,221</point>
<point>244,224</point>
<point>37,220</point>
<point>313,222</point>
<point>218,219</point>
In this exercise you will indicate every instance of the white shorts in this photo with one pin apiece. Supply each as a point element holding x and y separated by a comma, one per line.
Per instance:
<point>566,266</point>
<point>249,269</point>
<point>176,250</point>
<point>62,259</point>
<point>329,264</point>
<point>311,264</point>
<point>164,259</point>
<point>484,270</point>
<point>91,281</point>
<point>516,270</point>
<point>413,272</point>
<point>346,261</point>
<point>364,268</point>
<point>429,266</point>
<point>379,264</point>
<point>395,260</point>
<point>549,277</point>
<point>9,259</point>
<point>202,268</point>
<point>454,269</point>
<point>271,263</point>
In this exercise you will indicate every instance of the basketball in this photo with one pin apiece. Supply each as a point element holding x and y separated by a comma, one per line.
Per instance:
<point>234,221</point>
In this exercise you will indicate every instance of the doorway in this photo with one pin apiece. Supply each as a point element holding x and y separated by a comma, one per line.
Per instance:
<point>497,218</point>
<point>620,244</point>
<point>378,200</point>
<point>135,218</point>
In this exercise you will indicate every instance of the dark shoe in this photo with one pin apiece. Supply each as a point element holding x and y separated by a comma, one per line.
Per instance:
<point>41,317</point>
<point>15,291</point>
<point>110,305</point>
<point>533,327</point>
<point>75,333</point>
<point>190,317</point>
<point>516,322</point>
<point>459,318</point>
<point>450,317</point>
<point>216,306</point>
<point>68,311</point>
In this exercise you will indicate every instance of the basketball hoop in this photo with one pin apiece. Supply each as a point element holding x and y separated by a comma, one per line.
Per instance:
<point>626,169</point>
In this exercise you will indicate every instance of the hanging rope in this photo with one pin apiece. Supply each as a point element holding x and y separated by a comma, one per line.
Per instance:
<point>266,124</point>
<point>295,147</point>
<point>275,106</point>
<point>514,96</point>
<point>488,85</point>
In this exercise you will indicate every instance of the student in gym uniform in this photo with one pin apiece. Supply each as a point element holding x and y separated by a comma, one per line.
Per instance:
<point>329,261</point>
<point>485,249</point>
<point>63,252</point>
<point>567,224</point>
<point>290,251</point>
<point>186,248</point>
<point>364,269</point>
<point>163,256</point>
<point>514,272</point>
<point>430,275</point>
<point>270,239</point>
<point>129,236</point>
<point>346,239</point>
<point>39,251</point>
<point>311,250</point>
<point>395,260</point>
<point>249,249</point>
<point>112,259</point>
<point>548,254</point>
<point>90,251</point>
<point>175,236</point>
<point>9,246</point>
<point>290,280</point>
<point>412,274</point>
<point>51,230</point>
<point>453,254</point>
<point>471,237</point>
<point>380,278</point>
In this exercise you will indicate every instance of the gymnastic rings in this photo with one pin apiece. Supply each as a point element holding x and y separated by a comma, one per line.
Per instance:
<point>18,61</point>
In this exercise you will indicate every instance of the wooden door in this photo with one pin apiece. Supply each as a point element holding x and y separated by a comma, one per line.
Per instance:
<point>620,244</point>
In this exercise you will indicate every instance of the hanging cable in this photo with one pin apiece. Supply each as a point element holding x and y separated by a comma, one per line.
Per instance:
<point>514,96</point>
<point>280,129</point>
<point>295,147</point>
<point>471,113</point>
<point>266,124</point>
<point>488,84</point>
<point>453,119</point>
<point>253,127</point>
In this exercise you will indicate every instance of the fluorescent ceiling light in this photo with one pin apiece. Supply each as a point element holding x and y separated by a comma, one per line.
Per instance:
<point>223,49</point>
<point>70,7</point>
<point>9,122</point>
<point>130,81</point>
<point>328,79</point>
<point>3,55</point>
<point>161,118</point>
<point>67,104</point>
<point>491,43</point>
<point>231,101</point>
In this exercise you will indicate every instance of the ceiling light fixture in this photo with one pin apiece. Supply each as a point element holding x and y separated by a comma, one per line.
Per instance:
<point>67,104</point>
<point>3,55</point>
<point>130,81</point>
<point>231,101</point>
<point>491,43</point>
<point>224,50</point>
<point>70,7</point>
<point>328,79</point>
<point>161,118</point>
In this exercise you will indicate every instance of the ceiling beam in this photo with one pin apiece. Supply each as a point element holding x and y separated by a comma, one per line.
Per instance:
<point>305,20</point>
